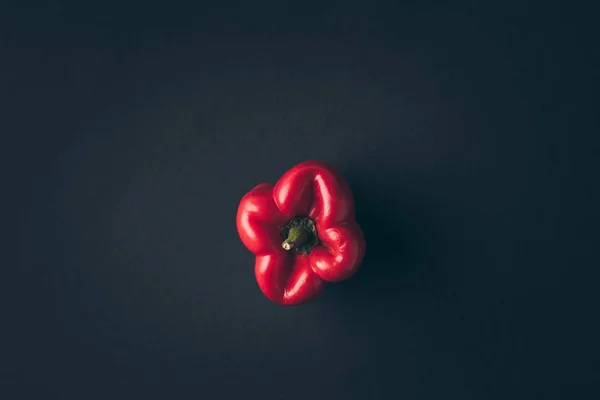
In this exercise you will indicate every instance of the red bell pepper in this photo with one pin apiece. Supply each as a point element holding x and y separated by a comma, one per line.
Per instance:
<point>302,231</point>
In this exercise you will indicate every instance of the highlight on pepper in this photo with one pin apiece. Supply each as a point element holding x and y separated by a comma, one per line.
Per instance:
<point>302,231</point>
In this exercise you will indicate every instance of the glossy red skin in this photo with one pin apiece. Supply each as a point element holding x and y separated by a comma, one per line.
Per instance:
<point>311,189</point>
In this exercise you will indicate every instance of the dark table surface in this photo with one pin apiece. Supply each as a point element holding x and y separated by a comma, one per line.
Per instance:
<point>130,133</point>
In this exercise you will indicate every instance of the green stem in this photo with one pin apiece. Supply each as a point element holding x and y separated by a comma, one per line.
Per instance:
<point>297,236</point>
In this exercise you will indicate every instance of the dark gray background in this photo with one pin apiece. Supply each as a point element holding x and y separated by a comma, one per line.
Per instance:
<point>130,133</point>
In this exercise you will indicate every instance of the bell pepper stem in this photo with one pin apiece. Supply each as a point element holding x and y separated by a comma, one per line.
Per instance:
<point>296,237</point>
